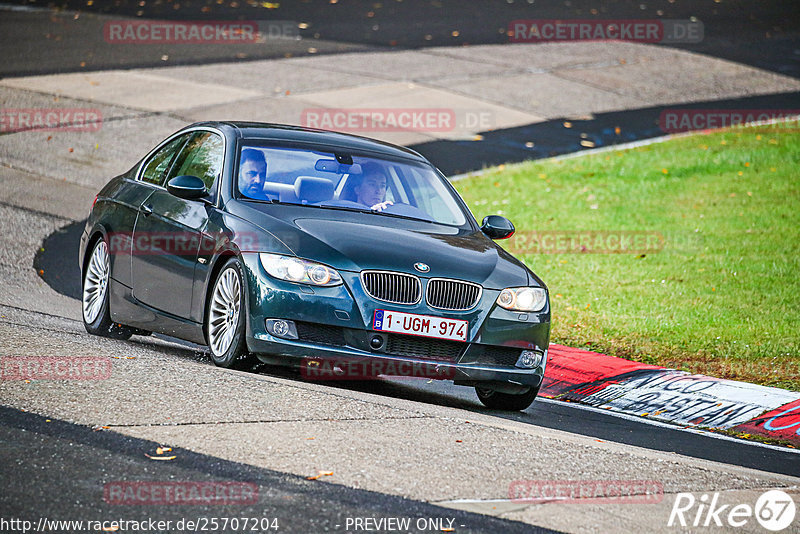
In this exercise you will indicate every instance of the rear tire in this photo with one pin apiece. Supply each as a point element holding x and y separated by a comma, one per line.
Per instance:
<point>225,320</point>
<point>94,297</point>
<point>506,401</point>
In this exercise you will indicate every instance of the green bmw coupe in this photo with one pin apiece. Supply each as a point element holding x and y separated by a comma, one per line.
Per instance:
<point>345,256</point>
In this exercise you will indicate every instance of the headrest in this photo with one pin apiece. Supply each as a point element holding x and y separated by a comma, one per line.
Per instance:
<point>310,189</point>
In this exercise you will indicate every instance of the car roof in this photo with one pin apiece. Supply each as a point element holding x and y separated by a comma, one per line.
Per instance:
<point>285,132</point>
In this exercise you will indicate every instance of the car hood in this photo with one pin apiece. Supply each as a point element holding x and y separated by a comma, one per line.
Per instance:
<point>361,241</point>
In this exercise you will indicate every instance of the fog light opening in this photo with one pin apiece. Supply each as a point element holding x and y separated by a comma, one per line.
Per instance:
<point>376,342</point>
<point>282,328</point>
<point>529,359</point>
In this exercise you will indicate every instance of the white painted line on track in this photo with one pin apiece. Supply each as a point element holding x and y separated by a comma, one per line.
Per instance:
<point>15,7</point>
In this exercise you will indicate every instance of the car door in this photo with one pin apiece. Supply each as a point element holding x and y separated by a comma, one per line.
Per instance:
<point>168,230</point>
<point>149,176</point>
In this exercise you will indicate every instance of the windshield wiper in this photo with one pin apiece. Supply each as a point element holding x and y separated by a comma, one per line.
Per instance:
<point>376,212</point>
<point>345,208</point>
<point>410,217</point>
<point>341,208</point>
<point>264,200</point>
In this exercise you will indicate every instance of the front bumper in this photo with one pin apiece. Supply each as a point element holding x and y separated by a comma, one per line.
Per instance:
<point>335,324</point>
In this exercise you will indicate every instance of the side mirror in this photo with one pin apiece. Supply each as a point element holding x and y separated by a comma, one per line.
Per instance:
<point>497,227</point>
<point>188,187</point>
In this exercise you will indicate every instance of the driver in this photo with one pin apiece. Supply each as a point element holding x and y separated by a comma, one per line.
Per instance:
<point>253,174</point>
<point>371,189</point>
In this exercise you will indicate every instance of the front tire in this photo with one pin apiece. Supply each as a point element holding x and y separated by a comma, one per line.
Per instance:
<point>506,401</point>
<point>94,299</point>
<point>225,320</point>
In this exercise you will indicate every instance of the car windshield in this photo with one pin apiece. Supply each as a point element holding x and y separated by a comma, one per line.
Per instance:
<point>343,181</point>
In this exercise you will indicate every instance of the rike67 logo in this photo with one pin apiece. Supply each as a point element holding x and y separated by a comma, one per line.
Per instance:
<point>774,510</point>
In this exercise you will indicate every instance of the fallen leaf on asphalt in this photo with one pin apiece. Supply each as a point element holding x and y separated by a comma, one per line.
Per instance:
<point>160,457</point>
<point>320,474</point>
<point>459,441</point>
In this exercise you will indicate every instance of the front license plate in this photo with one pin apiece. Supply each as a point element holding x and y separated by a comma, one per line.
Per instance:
<point>420,325</point>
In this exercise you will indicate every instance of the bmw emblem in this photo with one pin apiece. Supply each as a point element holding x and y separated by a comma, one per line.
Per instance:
<point>422,267</point>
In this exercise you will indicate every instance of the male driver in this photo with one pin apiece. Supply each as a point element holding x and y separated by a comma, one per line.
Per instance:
<point>371,189</point>
<point>253,174</point>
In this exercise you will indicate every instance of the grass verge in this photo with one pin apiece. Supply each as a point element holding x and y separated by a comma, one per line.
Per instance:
<point>710,279</point>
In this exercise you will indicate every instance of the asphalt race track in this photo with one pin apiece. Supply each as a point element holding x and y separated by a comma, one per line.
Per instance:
<point>65,279</point>
<point>323,453</point>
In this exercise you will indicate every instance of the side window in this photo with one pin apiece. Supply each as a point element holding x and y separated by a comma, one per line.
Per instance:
<point>158,165</point>
<point>201,157</point>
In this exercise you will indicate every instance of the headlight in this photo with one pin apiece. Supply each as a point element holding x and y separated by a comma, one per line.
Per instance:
<point>526,299</point>
<point>294,269</point>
